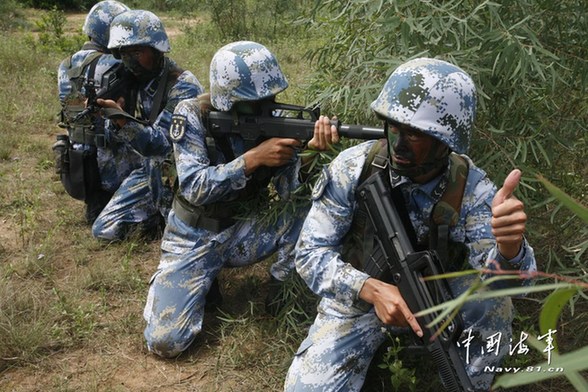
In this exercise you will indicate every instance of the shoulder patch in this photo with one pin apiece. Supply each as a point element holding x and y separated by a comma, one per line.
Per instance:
<point>178,127</point>
<point>320,184</point>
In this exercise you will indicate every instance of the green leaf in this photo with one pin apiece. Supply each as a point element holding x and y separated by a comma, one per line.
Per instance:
<point>552,308</point>
<point>518,291</point>
<point>573,205</point>
<point>494,294</point>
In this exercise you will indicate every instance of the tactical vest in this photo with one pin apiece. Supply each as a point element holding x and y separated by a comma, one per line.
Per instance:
<point>220,215</point>
<point>78,169</point>
<point>444,215</point>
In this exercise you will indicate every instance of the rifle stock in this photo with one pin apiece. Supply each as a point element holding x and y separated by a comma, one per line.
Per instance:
<point>255,128</point>
<point>405,268</point>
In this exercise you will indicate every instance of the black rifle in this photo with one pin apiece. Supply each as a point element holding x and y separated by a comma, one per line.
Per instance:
<point>395,261</point>
<point>116,83</point>
<point>274,121</point>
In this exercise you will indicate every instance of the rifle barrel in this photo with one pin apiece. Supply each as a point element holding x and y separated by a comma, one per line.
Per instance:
<point>360,132</point>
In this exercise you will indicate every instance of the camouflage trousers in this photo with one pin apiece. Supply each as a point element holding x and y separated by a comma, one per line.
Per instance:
<point>192,258</point>
<point>341,343</point>
<point>132,205</point>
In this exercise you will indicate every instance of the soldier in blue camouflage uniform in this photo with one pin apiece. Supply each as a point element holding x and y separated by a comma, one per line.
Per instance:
<point>428,107</point>
<point>110,159</point>
<point>142,120</point>
<point>202,234</point>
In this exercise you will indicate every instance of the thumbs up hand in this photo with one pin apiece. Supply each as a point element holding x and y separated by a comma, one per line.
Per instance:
<point>508,217</point>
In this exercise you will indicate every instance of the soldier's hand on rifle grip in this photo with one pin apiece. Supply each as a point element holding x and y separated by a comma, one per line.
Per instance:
<point>508,217</point>
<point>389,305</point>
<point>325,134</point>
<point>119,104</point>
<point>272,152</point>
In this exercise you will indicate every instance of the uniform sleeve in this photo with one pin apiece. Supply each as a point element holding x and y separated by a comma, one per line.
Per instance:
<point>286,178</point>
<point>153,140</point>
<point>201,181</point>
<point>318,252</point>
<point>63,83</point>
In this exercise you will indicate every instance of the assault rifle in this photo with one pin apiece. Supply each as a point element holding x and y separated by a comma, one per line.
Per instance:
<point>116,83</point>
<point>279,120</point>
<point>394,260</point>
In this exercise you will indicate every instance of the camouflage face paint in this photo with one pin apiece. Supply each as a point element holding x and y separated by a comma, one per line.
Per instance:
<point>414,153</point>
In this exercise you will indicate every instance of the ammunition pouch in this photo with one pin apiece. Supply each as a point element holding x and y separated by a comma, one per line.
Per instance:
<point>80,125</point>
<point>79,173</point>
<point>86,135</point>
<point>213,217</point>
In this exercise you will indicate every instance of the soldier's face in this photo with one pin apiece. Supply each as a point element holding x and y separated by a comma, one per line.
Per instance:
<point>138,58</point>
<point>415,154</point>
<point>411,147</point>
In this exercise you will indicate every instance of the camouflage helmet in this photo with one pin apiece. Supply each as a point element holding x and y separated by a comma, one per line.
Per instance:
<point>138,27</point>
<point>97,24</point>
<point>433,96</point>
<point>244,71</point>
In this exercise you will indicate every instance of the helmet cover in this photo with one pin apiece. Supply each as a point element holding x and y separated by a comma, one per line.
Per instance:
<point>244,71</point>
<point>138,27</point>
<point>97,23</point>
<point>432,96</point>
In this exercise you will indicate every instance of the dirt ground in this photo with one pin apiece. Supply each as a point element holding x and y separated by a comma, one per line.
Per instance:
<point>111,360</point>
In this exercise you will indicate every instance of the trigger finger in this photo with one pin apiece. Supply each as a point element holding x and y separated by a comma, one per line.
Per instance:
<point>412,321</point>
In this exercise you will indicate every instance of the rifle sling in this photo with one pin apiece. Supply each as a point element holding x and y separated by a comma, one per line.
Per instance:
<point>376,161</point>
<point>161,89</point>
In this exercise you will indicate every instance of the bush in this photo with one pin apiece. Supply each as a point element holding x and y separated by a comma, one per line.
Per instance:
<point>72,5</point>
<point>530,64</point>
<point>253,20</point>
<point>11,15</point>
<point>51,33</point>
<point>522,56</point>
